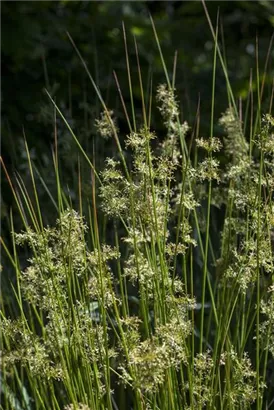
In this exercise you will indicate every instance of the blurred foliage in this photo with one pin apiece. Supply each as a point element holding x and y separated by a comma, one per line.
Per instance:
<point>36,53</point>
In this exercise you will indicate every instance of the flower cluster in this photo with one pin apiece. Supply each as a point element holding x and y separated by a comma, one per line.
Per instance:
<point>106,125</point>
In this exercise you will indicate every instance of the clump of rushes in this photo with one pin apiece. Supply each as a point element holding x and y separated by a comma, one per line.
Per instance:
<point>78,406</point>
<point>164,316</point>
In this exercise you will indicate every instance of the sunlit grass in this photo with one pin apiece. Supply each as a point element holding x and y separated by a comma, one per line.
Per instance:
<point>134,300</point>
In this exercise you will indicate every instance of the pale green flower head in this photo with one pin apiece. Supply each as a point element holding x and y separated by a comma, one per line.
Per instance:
<point>168,105</point>
<point>106,124</point>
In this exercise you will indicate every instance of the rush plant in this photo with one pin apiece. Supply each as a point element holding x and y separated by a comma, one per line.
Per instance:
<point>133,299</point>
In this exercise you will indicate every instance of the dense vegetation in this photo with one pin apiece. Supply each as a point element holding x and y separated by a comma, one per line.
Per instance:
<point>138,225</point>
